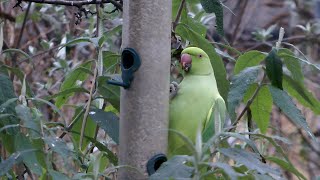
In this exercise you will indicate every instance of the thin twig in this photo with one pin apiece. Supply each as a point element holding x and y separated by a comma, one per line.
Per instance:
<point>23,25</point>
<point>269,43</point>
<point>86,113</point>
<point>98,34</point>
<point>235,32</point>
<point>14,58</point>
<point>98,21</point>
<point>248,104</point>
<point>69,127</point>
<point>308,142</point>
<point>175,23</point>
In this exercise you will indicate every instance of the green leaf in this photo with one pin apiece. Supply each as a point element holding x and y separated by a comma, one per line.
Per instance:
<point>239,85</point>
<point>88,131</point>
<point>85,70</point>
<point>9,127</point>
<point>29,121</point>
<point>196,26</point>
<point>108,121</point>
<point>294,66</point>
<point>174,168</point>
<point>98,164</point>
<point>301,60</point>
<point>39,146</point>
<point>227,169</point>
<point>219,70</point>
<point>228,47</point>
<point>57,175</point>
<point>17,51</point>
<point>23,143</point>
<point>286,166</point>
<point>59,146</point>
<point>111,61</point>
<point>70,81</point>
<point>274,68</point>
<point>303,95</point>
<point>109,92</point>
<point>7,105</point>
<point>248,59</point>
<point>20,75</point>
<point>5,115</point>
<point>6,93</point>
<point>107,36</point>
<point>274,143</point>
<point>241,137</point>
<point>215,6</point>
<point>66,92</point>
<point>250,160</point>
<point>49,104</point>
<point>8,142</point>
<point>261,108</point>
<point>76,41</point>
<point>285,103</point>
<point>111,156</point>
<point>7,164</point>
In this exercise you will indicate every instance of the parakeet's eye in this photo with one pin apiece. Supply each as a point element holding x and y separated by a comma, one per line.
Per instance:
<point>200,55</point>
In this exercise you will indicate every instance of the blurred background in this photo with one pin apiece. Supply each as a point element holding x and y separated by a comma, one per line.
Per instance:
<point>248,25</point>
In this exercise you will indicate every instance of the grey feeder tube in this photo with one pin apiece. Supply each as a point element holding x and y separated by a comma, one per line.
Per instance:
<point>145,104</point>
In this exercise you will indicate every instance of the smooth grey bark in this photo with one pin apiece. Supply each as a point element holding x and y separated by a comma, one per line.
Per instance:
<point>145,105</point>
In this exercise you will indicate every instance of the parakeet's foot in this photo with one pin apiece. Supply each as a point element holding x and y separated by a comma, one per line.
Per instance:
<point>174,87</point>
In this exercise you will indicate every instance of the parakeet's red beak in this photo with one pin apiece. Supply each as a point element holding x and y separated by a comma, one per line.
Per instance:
<point>186,62</point>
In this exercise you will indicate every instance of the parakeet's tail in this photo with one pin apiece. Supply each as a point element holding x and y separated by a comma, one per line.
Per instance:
<point>219,114</point>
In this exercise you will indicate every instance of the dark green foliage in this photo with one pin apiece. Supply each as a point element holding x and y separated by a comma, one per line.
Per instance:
<point>239,85</point>
<point>7,164</point>
<point>23,143</point>
<point>250,160</point>
<point>108,121</point>
<point>7,103</point>
<point>109,92</point>
<point>215,6</point>
<point>79,74</point>
<point>248,59</point>
<point>285,103</point>
<point>274,68</point>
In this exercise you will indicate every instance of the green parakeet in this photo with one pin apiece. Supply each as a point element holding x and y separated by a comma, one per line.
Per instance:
<point>196,103</point>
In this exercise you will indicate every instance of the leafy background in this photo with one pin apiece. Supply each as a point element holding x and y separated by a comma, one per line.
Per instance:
<point>58,117</point>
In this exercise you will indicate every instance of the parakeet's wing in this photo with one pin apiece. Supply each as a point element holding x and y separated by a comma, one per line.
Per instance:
<point>215,119</point>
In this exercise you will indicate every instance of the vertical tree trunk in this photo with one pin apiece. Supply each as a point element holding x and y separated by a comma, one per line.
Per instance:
<point>145,105</point>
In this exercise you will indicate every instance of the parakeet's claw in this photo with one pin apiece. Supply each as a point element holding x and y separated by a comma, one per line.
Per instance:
<point>174,87</point>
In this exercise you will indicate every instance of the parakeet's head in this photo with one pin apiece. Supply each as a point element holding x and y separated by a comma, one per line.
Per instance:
<point>195,61</point>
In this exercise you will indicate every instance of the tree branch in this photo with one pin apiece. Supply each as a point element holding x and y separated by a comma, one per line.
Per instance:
<point>7,16</point>
<point>248,104</point>
<point>77,3</point>
<point>175,23</point>
<point>86,113</point>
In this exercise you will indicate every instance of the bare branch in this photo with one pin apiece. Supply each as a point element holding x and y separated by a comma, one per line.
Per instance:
<point>179,14</point>
<point>77,3</point>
